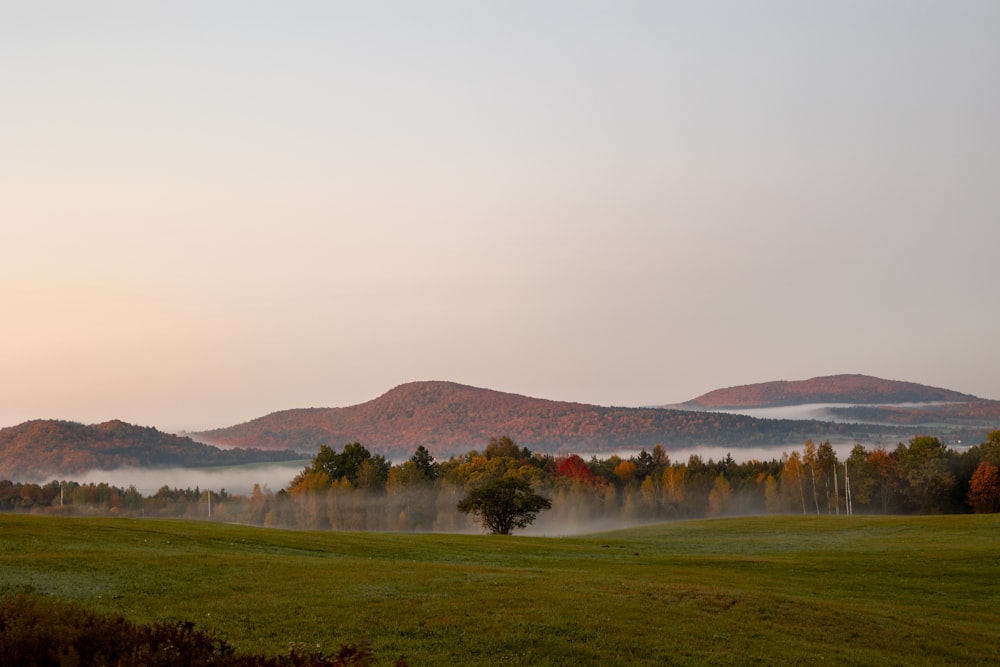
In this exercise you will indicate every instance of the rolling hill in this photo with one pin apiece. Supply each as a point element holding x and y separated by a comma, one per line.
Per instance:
<point>453,419</point>
<point>450,419</point>
<point>849,389</point>
<point>866,399</point>
<point>36,450</point>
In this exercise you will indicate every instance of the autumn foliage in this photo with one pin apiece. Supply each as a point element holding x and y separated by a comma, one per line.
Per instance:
<point>40,448</point>
<point>853,389</point>
<point>575,468</point>
<point>984,489</point>
<point>353,489</point>
<point>448,418</point>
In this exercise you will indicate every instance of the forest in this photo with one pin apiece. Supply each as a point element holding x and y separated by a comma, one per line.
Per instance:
<point>353,489</point>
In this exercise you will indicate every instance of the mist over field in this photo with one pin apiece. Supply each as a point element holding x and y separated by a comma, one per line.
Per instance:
<point>234,479</point>
<point>434,510</point>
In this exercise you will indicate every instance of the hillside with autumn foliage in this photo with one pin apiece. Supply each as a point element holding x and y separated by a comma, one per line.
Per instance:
<point>449,418</point>
<point>980,413</point>
<point>865,399</point>
<point>38,449</point>
<point>851,389</point>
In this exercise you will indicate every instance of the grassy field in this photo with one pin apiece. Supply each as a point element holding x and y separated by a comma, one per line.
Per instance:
<point>745,591</point>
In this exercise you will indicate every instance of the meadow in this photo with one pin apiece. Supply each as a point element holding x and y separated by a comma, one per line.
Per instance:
<point>736,591</point>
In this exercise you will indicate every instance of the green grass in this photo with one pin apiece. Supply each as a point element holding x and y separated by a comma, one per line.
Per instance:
<point>747,591</point>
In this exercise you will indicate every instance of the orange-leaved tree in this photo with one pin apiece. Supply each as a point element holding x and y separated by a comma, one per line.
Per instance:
<point>984,489</point>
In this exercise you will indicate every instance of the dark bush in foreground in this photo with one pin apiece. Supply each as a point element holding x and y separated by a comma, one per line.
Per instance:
<point>37,633</point>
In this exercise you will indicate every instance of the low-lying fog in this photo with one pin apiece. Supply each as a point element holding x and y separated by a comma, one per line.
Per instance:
<point>237,480</point>
<point>817,411</point>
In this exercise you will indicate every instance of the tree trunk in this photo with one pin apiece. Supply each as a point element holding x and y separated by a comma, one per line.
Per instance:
<point>836,491</point>
<point>802,492</point>
<point>812,473</point>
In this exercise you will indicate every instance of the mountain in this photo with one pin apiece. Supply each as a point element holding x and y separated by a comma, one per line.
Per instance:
<point>452,419</point>
<point>849,389</point>
<point>37,450</point>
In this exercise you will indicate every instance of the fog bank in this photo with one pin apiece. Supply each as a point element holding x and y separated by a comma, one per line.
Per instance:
<point>234,479</point>
<point>276,476</point>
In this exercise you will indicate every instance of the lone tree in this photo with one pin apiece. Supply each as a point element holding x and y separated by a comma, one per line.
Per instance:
<point>504,503</point>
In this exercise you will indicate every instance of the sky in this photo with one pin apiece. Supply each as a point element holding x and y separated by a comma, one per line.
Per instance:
<point>214,210</point>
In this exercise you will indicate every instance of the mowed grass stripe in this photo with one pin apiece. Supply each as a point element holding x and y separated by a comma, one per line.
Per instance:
<point>755,590</point>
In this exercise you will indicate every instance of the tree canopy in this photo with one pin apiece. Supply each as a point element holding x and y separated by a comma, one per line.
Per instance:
<point>504,503</point>
<point>354,463</point>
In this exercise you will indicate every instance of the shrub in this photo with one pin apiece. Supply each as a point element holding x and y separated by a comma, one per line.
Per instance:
<point>48,633</point>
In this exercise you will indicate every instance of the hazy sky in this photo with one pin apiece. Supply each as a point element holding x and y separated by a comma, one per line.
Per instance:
<point>214,210</point>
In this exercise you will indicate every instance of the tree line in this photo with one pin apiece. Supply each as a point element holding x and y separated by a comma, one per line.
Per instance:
<point>354,489</point>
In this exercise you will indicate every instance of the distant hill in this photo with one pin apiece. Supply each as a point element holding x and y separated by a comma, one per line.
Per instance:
<point>38,450</point>
<point>850,389</point>
<point>449,419</point>
<point>980,414</point>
